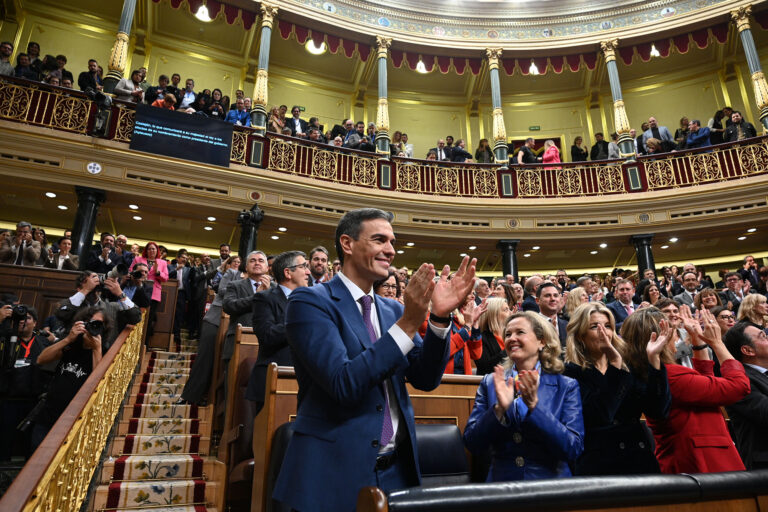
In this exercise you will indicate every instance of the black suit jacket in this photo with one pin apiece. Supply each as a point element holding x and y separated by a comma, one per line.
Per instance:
<point>238,304</point>
<point>101,267</point>
<point>460,155</point>
<point>269,326</point>
<point>86,80</point>
<point>749,419</point>
<point>448,153</point>
<point>292,125</point>
<point>640,145</point>
<point>529,304</point>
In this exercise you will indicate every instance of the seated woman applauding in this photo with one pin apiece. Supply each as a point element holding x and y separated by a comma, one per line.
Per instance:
<point>525,410</point>
<point>694,438</point>
<point>617,386</point>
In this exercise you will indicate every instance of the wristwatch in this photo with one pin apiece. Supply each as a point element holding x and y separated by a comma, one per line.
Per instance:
<point>440,319</point>
<point>123,296</point>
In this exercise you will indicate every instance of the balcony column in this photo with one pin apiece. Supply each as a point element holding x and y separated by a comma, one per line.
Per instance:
<point>620,119</point>
<point>644,252</point>
<point>88,201</point>
<point>259,111</point>
<point>508,250</point>
<point>382,112</point>
<point>249,221</point>
<point>119,56</point>
<point>499,131</point>
<point>741,18</point>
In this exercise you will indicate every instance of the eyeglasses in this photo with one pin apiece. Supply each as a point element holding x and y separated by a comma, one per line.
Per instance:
<point>304,265</point>
<point>726,317</point>
<point>389,286</point>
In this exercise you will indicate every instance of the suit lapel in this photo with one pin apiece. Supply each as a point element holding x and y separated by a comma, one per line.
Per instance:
<point>349,311</point>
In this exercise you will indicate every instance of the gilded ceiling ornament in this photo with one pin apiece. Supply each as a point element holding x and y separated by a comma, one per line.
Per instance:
<point>609,49</point>
<point>383,44</point>
<point>741,17</point>
<point>268,13</point>
<point>493,55</point>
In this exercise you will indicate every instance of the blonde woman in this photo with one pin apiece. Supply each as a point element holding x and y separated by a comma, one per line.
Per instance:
<point>576,298</point>
<point>754,309</point>
<point>526,410</point>
<point>613,394</point>
<point>491,325</point>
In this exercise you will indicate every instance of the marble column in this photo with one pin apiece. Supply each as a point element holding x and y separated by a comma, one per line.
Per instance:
<point>499,130</point>
<point>88,202</point>
<point>260,105</point>
<point>759,85</point>
<point>620,119</point>
<point>118,58</point>
<point>644,252</point>
<point>508,250</point>
<point>382,111</point>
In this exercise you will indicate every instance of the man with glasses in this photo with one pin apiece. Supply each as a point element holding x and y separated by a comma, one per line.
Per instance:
<point>6,50</point>
<point>734,291</point>
<point>20,249</point>
<point>749,417</point>
<point>290,270</point>
<point>297,125</point>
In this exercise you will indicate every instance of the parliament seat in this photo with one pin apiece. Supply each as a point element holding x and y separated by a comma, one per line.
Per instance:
<point>442,457</point>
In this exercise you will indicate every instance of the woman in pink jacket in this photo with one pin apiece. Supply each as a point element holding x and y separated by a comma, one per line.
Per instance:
<point>158,273</point>
<point>551,154</point>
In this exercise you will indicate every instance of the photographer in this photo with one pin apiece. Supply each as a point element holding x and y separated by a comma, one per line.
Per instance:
<point>77,354</point>
<point>20,249</point>
<point>22,381</point>
<point>133,285</point>
<point>89,294</point>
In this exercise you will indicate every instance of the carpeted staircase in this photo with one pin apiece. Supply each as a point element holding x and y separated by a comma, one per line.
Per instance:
<point>160,458</point>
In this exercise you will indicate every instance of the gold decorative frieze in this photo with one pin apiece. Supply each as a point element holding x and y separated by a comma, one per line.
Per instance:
<point>660,174</point>
<point>569,182</point>
<point>126,118</point>
<point>282,156</point>
<point>409,177</point>
<point>363,171</point>
<point>741,16</point>
<point>486,183</point>
<point>239,145</point>
<point>610,179</point>
<point>609,49</point>
<point>753,158</point>
<point>446,181</point>
<point>529,183</point>
<point>14,101</point>
<point>324,164</point>
<point>268,14</point>
<point>761,89</point>
<point>706,167</point>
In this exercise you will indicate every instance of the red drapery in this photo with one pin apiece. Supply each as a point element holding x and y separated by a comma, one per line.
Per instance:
<point>215,7</point>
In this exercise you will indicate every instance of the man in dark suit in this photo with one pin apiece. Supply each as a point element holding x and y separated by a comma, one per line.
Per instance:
<point>103,259</point>
<point>734,291</point>
<point>749,416</point>
<point>550,303</point>
<point>238,301</point>
<point>352,352</point>
<point>529,294</point>
<point>623,306</point>
<point>90,78</point>
<point>183,274</point>
<point>459,152</point>
<point>750,272</point>
<point>298,126</point>
<point>443,152</point>
<point>291,271</point>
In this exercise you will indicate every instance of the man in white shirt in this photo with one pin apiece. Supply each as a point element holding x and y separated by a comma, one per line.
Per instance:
<point>690,288</point>
<point>623,306</point>
<point>188,95</point>
<point>550,303</point>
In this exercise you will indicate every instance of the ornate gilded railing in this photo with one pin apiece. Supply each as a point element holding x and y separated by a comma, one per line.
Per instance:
<point>42,105</point>
<point>58,474</point>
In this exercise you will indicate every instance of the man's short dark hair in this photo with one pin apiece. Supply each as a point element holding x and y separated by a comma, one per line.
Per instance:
<point>735,338</point>
<point>530,139</point>
<point>176,74</point>
<point>181,252</point>
<point>351,223</point>
<point>545,284</point>
<point>105,235</point>
<point>283,261</point>
<point>224,245</point>
<point>689,272</point>
<point>33,43</point>
<point>319,248</point>
<point>162,77</point>
<point>8,43</point>
<point>31,311</point>
<point>736,112</point>
<point>696,121</point>
<point>92,60</point>
<point>600,134</point>
<point>62,57</point>
<point>83,277</point>
<point>665,301</point>
<point>731,274</point>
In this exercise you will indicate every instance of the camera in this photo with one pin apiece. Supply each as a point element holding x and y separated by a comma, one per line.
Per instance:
<point>137,274</point>
<point>118,272</point>
<point>95,327</point>
<point>19,313</point>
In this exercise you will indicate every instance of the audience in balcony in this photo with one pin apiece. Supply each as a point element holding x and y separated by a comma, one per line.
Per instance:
<point>187,96</point>
<point>6,50</point>
<point>697,137</point>
<point>91,78</point>
<point>484,153</point>
<point>24,69</point>
<point>551,153</point>
<point>525,154</point>
<point>168,102</point>
<point>613,147</point>
<point>716,128</point>
<point>63,259</point>
<point>240,115</point>
<point>459,152</point>
<point>578,153</point>
<point>739,129</point>
<point>20,249</point>
<point>681,134</point>
<point>442,152</point>
<point>297,125</point>
<point>599,150</point>
<point>660,133</point>
<point>156,92</point>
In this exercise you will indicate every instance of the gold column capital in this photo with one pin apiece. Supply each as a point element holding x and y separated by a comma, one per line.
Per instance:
<point>609,49</point>
<point>383,44</point>
<point>268,13</point>
<point>493,55</point>
<point>741,16</point>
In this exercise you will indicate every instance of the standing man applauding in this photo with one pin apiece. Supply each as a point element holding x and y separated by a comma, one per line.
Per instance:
<point>352,353</point>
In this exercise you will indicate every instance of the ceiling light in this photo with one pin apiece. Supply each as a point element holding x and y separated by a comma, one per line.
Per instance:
<point>400,251</point>
<point>420,67</point>
<point>527,255</point>
<point>208,228</point>
<point>673,239</point>
<point>740,238</point>
<point>472,247</point>
<point>282,230</point>
<point>410,244</point>
<point>315,50</point>
<point>136,217</point>
<point>463,255</point>
<point>592,252</point>
<point>133,206</point>
<point>202,14</point>
<point>654,51</point>
<point>751,230</point>
<point>275,237</point>
<point>50,194</point>
<point>665,247</point>
<point>62,207</point>
<point>535,247</point>
<point>534,70</point>
<point>211,219</point>
<point>603,245</point>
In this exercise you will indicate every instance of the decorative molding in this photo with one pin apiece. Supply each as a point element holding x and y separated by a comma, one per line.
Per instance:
<point>741,16</point>
<point>383,44</point>
<point>118,58</point>
<point>609,49</point>
<point>493,55</point>
<point>268,14</point>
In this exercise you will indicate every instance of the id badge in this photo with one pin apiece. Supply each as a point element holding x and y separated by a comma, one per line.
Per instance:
<point>21,363</point>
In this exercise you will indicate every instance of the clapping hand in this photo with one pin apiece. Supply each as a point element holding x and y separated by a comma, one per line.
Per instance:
<point>528,386</point>
<point>658,342</point>
<point>505,388</point>
<point>710,333</point>
<point>448,295</point>
<point>477,312</point>
<point>690,323</point>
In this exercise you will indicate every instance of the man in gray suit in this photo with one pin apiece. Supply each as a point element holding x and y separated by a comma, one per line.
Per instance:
<point>657,132</point>
<point>690,287</point>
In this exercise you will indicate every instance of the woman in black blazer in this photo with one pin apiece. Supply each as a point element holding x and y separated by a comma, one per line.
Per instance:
<point>492,326</point>
<point>617,387</point>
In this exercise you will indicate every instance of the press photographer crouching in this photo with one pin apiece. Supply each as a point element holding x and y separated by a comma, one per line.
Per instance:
<point>21,379</point>
<point>77,355</point>
<point>134,285</point>
<point>91,291</point>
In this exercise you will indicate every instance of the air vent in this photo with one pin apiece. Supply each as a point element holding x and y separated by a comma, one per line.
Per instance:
<point>313,207</point>
<point>27,159</point>
<point>177,184</point>
<point>722,209</point>
<point>580,223</point>
<point>450,222</point>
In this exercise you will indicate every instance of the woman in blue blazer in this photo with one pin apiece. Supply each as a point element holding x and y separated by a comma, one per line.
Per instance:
<point>526,411</point>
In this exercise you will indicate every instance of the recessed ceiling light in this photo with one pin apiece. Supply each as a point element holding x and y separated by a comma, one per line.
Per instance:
<point>62,207</point>
<point>136,217</point>
<point>673,239</point>
<point>400,251</point>
<point>472,247</point>
<point>410,244</point>
<point>527,255</point>
<point>463,254</point>
<point>282,230</point>
<point>742,238</point>
<point>275,237</point>
<point>751,230</point>
<point>50,194</point>
<point>535,247</point>
<point>665,247</point>
<point>603,245</point>
<point>211,219</point>
<point>208,228</point>
<point>133,206</point>
<point>592,252</point>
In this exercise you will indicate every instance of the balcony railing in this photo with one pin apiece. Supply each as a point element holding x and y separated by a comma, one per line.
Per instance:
<point>63,109</point>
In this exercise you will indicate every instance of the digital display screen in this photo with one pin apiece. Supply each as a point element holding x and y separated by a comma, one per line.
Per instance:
<point>179,135</point>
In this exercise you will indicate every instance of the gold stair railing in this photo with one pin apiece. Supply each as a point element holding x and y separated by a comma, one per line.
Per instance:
<point>57,476</point>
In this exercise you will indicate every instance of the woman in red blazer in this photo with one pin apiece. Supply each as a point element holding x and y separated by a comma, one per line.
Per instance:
<point>158,273</point>
<point>694,437</point>
<point>466,338</point>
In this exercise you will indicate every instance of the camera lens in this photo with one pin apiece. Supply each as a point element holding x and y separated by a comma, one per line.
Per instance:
<point>95,327</point>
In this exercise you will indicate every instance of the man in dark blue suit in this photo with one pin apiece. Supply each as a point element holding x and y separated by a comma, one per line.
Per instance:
<point>183,274</point>
<point>352,352</point>
<point>103,259</point>
<point>623,306</point>
<point>529,299</point>
<point>550,303</point>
